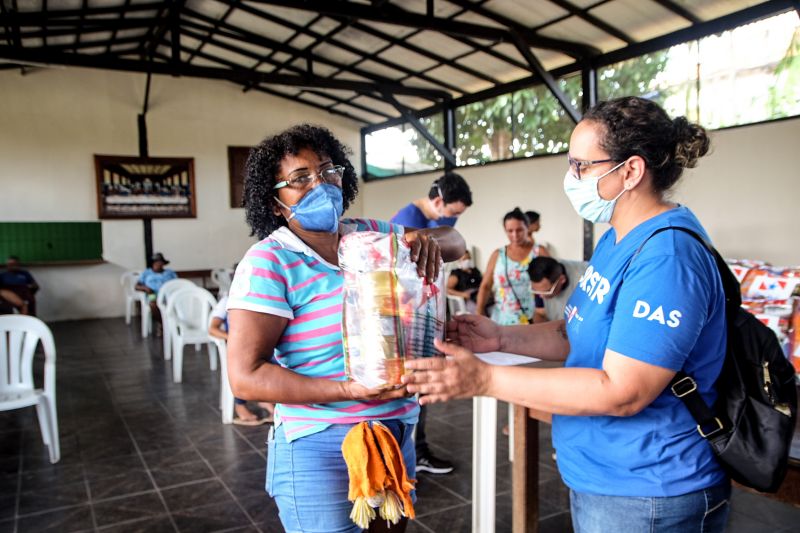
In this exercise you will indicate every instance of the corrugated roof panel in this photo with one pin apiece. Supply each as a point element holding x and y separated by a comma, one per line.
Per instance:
<point>403,56</point>
<point>459,79</point>
<point>61,39</point>
<point>361,40</point>
<point>550,59</point>
<point>413,102</point>
<point>525,12</point>
<point>281,57</point>
<point>95,50</point>
<point>441,8</point>
<point>377,105</point>
<point>209,8</point>
<point>25,6</point>
<point>422,84</point>
<point>334,53</point>
<point>640,19</point>
<point>203,62</point>
<point>711,9</point>
<point>325,25</point>
<point>576,29</point>
<point>259,51</point>
<point>367,118</point>
<point>317,99</point>
<point>301,41</point>
<point>321,69</point>
<point>254,24</point>
<point>33,42</point>
<point>390,29</point>
<point>122,34</point>
<point>381,70</point>
<point>141,14</point>
<point>301,17</point>
<point>474,18</point>
<point>490,65</point>
<point>440,44</point>
<point>226,55</point>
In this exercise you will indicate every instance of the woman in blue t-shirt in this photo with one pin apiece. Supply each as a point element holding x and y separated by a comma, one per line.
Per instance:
<point>627,447</point>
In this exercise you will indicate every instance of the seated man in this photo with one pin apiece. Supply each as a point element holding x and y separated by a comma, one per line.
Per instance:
<point>9,302</point>
<point>219,329</point>
<point>20,282</point>
<point>553,281</point>
<point>150,282</point>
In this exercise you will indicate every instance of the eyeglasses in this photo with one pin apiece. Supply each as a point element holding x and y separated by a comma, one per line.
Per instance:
<point>332,175</point>
<point>547,292</point>
<point>576,164</point>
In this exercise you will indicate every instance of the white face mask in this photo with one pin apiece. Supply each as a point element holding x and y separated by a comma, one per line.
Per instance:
<point>465,264</point>
<point>585,196</point>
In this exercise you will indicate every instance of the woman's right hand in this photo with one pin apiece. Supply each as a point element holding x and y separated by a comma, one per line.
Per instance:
<point>476,333</point>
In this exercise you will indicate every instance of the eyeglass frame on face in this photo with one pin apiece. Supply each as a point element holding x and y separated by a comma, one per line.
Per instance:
<point>576,164</point>
<point>338,172</point>
<point>549,292</point>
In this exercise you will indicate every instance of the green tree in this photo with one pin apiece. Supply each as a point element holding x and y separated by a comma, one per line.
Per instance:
<point>784,94</point>
<point>531,121</point>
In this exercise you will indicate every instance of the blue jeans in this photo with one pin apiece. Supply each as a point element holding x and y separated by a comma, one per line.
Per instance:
<point>703,511</point>
<point>309,482</point>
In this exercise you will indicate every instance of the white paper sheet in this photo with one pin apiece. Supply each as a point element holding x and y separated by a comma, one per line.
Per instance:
<point>505,359</point>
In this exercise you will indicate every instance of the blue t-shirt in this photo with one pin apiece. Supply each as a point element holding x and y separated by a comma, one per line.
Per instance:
<point>154,280</point>
<point>411,216</point>
<point>15,278</point>
<point>669,312</point>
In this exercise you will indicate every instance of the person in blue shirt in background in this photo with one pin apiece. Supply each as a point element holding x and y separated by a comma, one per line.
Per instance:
<point>20,282</point>
<point>628,448</point>
<point>448,197</point>
<point>151,281</point>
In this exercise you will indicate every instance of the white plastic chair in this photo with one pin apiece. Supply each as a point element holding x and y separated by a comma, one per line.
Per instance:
<point>188,314</point>
<point>225,392</point>
<point>162,301</point>
<point>222,277</point>
<point>128,281</point>
<point>19,336</point>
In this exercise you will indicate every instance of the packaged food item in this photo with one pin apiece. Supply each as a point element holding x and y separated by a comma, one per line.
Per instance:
<point>389,312</point>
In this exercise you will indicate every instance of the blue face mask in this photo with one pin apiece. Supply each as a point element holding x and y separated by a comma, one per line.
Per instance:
<point>586,199</point>
<point>319,210</point>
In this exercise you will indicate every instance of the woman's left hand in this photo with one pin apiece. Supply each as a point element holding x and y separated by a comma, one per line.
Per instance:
<point>457,375</point>
<point>426,253</point>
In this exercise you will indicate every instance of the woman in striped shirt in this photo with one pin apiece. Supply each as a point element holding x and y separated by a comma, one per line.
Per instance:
<point>286,301</point>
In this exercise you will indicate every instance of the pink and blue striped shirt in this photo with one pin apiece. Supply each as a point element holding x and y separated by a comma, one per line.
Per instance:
<point>282,276</point>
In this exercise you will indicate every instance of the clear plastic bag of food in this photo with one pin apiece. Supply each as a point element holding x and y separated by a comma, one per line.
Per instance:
<point>390,313</point>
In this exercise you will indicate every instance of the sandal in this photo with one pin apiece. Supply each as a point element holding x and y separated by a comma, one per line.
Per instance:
<point>252,422</point>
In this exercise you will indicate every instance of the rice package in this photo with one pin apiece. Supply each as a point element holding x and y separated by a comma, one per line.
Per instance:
<point>390,313</point>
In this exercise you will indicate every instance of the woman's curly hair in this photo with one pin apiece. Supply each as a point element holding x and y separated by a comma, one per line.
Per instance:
<point>637,126</point>
<point>263,166</point>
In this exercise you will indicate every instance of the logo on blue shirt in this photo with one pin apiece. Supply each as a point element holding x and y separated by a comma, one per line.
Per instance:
<point>594,284</point>
<point>642,310</point>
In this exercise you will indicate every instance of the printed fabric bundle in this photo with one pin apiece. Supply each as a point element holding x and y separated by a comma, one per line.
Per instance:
<point>390,313</point>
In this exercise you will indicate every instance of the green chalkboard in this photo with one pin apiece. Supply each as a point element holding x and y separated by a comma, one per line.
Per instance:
<point>51,242</point>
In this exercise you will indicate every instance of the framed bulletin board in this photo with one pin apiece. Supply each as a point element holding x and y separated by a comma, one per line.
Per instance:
<point>145,187</point>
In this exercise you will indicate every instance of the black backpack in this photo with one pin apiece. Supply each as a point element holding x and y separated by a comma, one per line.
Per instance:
<point>751,425</point>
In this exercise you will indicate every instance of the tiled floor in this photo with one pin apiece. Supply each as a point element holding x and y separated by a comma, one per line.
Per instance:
<point>140,453</point>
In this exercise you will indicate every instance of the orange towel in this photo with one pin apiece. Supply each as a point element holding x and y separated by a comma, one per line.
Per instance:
<point>378,477</point>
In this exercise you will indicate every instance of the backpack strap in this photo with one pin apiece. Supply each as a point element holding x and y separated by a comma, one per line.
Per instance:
<point>682,385</point>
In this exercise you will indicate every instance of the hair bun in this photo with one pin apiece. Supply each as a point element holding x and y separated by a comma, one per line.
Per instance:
<point>691,142</point>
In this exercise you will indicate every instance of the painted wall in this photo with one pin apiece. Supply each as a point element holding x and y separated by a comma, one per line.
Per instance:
<point>55,120</point>
<point>745,193</point>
